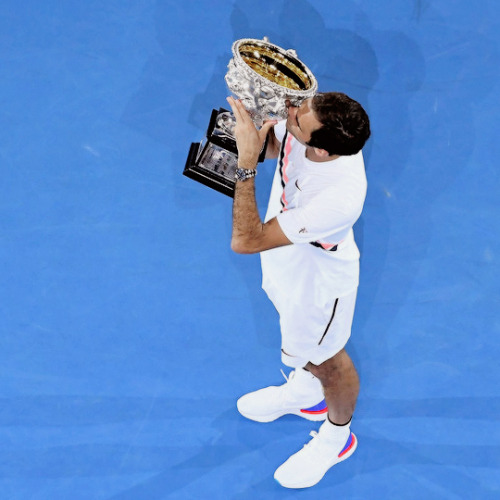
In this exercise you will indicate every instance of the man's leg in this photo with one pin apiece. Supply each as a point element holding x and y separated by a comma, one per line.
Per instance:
<point>334,442</point>
<point>341,386</point>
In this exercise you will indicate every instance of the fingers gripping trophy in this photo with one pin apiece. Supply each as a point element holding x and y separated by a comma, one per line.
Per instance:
<point>264,77</point>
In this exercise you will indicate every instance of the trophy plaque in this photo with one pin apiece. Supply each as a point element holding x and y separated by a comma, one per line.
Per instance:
<point>264,76</point>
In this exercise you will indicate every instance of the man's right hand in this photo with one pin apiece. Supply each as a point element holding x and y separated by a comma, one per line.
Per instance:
<point>249,139</point>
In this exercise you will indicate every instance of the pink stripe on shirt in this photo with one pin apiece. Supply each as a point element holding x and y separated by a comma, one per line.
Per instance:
<point>288,149</point>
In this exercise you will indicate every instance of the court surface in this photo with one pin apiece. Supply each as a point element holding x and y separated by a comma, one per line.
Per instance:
<point>128,328</point>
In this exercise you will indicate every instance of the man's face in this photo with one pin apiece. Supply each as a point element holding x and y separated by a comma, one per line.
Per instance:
<point>302,121</point>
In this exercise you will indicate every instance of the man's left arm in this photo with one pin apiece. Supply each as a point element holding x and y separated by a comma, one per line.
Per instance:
<point>249,234</point>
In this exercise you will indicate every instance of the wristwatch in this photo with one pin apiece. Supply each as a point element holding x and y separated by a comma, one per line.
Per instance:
<point>242,174</point>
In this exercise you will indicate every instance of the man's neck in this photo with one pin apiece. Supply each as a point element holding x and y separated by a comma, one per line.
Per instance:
<point>311,155</point>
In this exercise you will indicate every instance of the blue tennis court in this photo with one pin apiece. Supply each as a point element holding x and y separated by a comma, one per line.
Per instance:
<point>128,328</point>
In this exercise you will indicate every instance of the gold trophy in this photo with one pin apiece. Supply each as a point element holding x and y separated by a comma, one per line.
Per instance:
<point>264,76</point>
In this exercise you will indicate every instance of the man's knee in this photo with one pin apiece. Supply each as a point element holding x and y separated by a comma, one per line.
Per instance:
<point>329,367</point>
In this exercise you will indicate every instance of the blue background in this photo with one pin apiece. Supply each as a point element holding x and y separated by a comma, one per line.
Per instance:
<point>128,328</point>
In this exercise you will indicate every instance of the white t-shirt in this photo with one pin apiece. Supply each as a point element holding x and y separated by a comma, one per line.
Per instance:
<point>314,202</point>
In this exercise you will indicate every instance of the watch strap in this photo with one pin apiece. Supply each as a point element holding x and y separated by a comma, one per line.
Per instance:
<point>242,174</point>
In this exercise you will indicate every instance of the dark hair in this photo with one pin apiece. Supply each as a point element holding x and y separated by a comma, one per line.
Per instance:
<point>346,126</point>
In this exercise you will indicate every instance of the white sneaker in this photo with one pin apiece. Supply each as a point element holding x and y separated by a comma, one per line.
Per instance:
<point>329,446</point>
<point>301,395</point>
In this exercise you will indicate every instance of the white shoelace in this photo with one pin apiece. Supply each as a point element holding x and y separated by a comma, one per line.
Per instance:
<point>290,377</point>
<point>314,434</point>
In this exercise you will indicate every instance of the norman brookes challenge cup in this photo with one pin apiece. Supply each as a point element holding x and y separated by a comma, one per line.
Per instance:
<point>264,76</point>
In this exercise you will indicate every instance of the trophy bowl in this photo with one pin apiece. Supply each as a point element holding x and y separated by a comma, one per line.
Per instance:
<point>264,76</point>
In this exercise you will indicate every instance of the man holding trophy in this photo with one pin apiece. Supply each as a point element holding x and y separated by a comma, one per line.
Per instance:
<point>310,261</point>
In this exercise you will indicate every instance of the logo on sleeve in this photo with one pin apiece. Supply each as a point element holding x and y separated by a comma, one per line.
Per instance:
<point>303,230</point>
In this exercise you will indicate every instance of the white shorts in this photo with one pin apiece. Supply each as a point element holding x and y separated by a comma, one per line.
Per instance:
<point>315,334</point>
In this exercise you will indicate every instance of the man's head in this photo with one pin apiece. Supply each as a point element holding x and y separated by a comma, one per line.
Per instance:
<point>332,122</point>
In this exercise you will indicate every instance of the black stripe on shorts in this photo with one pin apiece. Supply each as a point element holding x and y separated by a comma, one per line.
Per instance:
<point>330,322</point>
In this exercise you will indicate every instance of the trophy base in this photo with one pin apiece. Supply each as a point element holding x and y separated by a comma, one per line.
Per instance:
<point>214,163</point>
<point>220,178</point>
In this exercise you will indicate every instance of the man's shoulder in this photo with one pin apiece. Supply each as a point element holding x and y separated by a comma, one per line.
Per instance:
<point>337,181</point>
